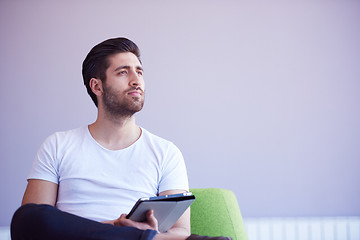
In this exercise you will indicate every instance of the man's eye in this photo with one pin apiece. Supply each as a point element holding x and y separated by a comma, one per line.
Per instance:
<point>122,72</point>
<point>140,73</point>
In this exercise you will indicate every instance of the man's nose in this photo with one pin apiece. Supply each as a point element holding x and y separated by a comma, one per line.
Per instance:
<point>134,79</point>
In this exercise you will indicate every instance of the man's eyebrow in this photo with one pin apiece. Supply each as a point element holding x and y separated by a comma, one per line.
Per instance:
<point>128,67</point>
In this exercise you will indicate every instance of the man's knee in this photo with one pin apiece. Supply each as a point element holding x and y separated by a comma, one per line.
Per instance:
<point>27,218</point>
<point>29,212</point>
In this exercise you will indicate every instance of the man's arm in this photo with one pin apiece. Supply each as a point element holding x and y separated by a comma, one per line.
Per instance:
<point>40,192</point>
<point>182,226</point>
<point>180,230</point>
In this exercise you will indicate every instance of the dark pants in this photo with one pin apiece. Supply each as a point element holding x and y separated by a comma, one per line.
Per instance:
<point>45,222</point>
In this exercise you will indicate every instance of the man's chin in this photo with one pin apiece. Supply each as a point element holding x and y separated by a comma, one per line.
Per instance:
<point>125,109</point>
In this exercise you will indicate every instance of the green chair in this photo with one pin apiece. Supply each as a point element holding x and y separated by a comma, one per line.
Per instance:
<point>216,212</point>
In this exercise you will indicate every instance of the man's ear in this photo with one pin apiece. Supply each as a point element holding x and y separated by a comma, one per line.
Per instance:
<point>96,86</point>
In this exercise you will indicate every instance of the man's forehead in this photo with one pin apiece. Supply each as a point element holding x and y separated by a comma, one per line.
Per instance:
<point>124,59</point>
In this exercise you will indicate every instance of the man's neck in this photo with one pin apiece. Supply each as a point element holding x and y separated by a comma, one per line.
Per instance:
<point>115,134</point>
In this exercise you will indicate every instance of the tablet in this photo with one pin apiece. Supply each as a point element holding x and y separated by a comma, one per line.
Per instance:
<point>167,209</point>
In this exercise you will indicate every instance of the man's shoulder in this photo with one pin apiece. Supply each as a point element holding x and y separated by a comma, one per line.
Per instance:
<point>158,144</point>
<point>150,137</point>
<point>70,132</point>
<point>66,135</point>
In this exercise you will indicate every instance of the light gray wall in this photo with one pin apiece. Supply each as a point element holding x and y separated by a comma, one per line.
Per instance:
<point>262,98</point>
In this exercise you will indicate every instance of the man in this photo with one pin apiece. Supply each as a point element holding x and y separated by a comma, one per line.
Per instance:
<point>83,179</point>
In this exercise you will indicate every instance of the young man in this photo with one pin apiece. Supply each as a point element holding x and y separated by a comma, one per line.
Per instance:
<point>83,179</point>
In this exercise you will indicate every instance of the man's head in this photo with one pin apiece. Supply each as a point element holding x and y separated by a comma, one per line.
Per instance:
<point>97,61</point>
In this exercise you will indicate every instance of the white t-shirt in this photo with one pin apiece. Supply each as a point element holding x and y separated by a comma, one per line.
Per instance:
<point>101,184</point>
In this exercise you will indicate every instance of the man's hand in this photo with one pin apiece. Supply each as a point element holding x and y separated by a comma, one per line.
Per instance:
<point>151,222</point>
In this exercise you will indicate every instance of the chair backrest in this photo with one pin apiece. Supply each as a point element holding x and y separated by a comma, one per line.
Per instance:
<point>216,212</point>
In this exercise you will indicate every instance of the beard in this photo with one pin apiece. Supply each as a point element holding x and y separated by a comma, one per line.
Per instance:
<point>118,104</point>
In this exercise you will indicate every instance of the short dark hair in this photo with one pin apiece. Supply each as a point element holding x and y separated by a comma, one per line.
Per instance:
<point>97,61</point>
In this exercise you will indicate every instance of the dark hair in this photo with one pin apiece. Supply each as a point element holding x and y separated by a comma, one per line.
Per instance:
<point>96,62</point>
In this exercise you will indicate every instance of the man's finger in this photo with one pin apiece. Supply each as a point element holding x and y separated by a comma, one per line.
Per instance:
<point>152,221</point>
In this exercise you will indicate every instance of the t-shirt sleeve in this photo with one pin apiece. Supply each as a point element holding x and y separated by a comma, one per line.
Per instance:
<point>174,175</point>
<point>45,165</point>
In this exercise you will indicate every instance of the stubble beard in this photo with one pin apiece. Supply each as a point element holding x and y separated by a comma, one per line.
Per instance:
<point>119,105</point>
